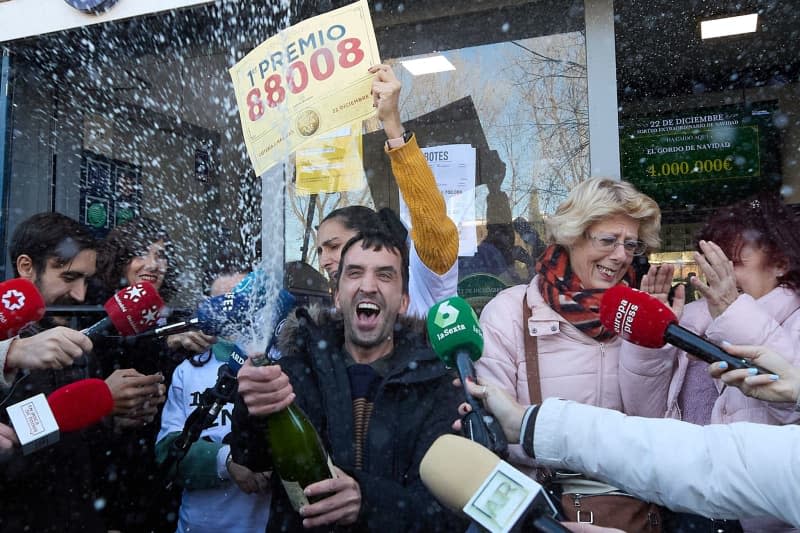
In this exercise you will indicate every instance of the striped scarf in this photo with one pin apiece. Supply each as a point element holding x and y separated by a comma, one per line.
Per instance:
<point>563,291</point>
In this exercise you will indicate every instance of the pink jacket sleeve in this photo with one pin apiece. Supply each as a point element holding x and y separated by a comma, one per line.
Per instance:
<point>503,352</point>
<point>745,321</point>
<point>645,375</point>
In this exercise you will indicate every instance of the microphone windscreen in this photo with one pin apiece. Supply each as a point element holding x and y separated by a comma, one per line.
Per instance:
<point>452,326</point>
<point>134,309</point>
<point>80,404</point>
<point>636,316</point>
<point>20,305</point>
<point>454,468</point>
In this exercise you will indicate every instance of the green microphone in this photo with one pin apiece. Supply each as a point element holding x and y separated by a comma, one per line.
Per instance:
<point>453,329</point>
<point>456,337</point>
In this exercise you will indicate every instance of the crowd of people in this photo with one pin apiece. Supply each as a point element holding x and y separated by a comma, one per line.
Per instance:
<point>588,415</point>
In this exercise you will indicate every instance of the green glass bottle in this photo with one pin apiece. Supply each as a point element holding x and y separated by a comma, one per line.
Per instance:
<point>297,453</point>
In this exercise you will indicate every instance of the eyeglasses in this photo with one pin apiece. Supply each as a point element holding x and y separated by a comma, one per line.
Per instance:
<point>608,243</point>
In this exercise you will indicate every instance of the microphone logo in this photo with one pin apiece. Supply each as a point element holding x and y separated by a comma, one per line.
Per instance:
<point>446,315</point>
<point>149,316</point>
<point>624,317</point>
<point>134,293</point>
<point>13,300</point>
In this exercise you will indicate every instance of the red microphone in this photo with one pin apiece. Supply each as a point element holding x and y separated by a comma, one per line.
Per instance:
<point>20,305</point>
<point>39,421</point>
<point>81,404</point>
<point>640,318</point>
<point>131,311</point>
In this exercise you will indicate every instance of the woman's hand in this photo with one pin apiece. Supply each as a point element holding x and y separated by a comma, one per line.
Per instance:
<point>504,408</point>
<point>781,386</point>
<point>721,290</point>
<point>658,282</point>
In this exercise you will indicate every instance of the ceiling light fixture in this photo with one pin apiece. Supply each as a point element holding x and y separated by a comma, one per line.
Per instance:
<point>710,29</point>
<point>427,65</point>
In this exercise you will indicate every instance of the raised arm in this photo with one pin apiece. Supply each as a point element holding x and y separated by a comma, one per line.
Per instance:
<point>435,236</point>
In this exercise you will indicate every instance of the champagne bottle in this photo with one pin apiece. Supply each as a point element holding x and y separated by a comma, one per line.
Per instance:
<point>297,453</point>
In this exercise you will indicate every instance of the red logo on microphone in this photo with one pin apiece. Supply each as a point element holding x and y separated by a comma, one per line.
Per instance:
<point>134,293</point>
<point>13,300</point>
<point>149,316</point>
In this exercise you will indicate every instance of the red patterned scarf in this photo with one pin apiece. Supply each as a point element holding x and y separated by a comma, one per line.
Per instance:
<point>563,291</point>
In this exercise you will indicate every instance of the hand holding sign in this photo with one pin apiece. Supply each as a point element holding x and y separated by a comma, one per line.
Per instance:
<point>386,99</point>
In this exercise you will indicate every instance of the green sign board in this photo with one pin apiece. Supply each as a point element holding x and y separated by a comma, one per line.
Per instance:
<point>703,158</point>
<point>478,289</point>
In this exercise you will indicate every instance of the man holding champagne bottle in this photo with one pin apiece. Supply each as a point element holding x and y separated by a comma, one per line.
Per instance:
<point>375,393</point>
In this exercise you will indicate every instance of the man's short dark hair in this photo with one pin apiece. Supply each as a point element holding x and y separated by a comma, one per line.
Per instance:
<point>49,235</point>
<point>377,240</point>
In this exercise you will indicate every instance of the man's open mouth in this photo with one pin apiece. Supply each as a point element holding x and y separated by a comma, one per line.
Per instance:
<point>367,310</point>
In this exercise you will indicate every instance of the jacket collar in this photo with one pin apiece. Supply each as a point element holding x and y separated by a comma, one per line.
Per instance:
<point>319,332</point>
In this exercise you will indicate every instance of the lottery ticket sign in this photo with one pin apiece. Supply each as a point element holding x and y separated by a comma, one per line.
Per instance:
<point>305,81</point>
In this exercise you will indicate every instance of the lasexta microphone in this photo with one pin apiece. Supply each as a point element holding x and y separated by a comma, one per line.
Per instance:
<point>131,311</point>
<point>640,318</point>
<point>78,405</point>
<point>456,337</point>
<point>20,305</point>
<point>466,477</point>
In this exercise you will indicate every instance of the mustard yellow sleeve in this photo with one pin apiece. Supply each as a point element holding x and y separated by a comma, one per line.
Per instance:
<point>435,236</point>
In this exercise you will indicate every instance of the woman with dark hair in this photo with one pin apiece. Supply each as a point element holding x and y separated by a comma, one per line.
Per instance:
<point>750,256</point>
<point>139,250</point>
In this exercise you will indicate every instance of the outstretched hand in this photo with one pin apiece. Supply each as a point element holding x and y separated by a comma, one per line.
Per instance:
<point>504,408</point>
<point>783,385</point>
<point>658,282</point>
<point>721,290</point>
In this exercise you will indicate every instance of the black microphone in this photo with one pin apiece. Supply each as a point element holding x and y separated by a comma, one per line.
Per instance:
<point>456,337</point>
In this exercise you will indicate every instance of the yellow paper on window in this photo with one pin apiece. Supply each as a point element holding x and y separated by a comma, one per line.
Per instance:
<point>307,80</point>
<point>331,162</point>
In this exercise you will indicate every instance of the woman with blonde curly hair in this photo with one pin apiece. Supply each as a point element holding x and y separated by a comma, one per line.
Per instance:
<point>545,339</point>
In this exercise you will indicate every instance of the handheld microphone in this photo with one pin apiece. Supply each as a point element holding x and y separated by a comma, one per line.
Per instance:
<point>223,314</point>
<point>20,305</point>
<point>132,310</point>
<point>456,337</point>
<point>38,421</point>
<point>640,318</point>
<point>464,476</point>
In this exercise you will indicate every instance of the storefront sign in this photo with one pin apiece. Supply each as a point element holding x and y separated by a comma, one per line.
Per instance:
<point>306,80</point>
<point>707,157</point>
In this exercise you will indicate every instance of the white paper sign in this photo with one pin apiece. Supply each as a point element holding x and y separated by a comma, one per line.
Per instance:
<point>453,166</point>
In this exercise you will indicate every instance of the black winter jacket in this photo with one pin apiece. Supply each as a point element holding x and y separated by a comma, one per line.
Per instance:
<point>415,403</point>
